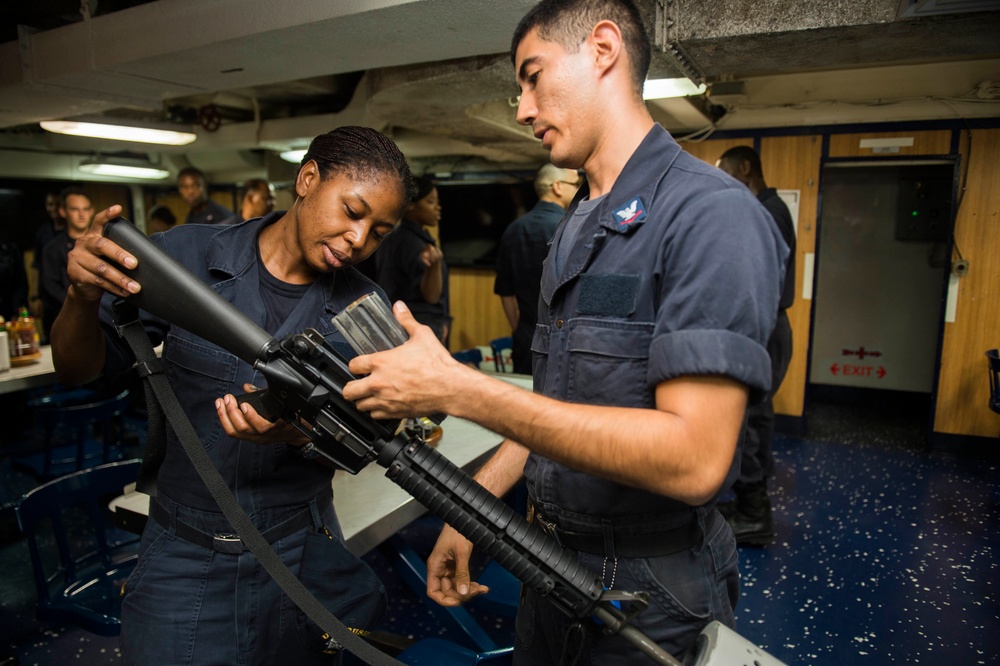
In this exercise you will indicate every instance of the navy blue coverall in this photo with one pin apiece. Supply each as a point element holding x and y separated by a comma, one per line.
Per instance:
<point>675,272</point>
<point>187,602</point>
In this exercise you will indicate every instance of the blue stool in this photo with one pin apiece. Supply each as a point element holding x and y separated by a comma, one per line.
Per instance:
<point>457,620</point>
<point>469,356</point>
<point>75,437</point>
<point>501,352</point>
<point>504,594</point>
<point>83,587</point>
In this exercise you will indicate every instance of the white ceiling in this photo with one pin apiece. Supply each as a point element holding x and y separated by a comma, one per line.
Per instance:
<point>435,74</point>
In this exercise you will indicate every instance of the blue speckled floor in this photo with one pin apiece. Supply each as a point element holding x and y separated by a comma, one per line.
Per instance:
<point>881,557</point>
<point>884,555</point>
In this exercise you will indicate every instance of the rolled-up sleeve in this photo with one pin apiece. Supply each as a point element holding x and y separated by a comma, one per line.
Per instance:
<point>719,284</point>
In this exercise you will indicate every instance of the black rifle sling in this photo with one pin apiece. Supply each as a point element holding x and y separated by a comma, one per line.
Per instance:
<point>147,364</point>
<point>151,369</point>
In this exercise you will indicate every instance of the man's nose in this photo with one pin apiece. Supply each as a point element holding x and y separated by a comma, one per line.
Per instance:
<point>525,110</point>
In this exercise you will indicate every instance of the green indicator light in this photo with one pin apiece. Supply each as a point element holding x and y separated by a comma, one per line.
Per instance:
<point>914,213</point>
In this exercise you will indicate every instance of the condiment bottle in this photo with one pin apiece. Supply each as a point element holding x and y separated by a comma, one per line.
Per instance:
<point>25,339</point>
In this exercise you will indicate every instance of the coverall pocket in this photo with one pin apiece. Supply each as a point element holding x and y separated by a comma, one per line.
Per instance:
<point>609,364</point>
<point>679,585</point>
<point>205,372</point>
<point>340,581</point>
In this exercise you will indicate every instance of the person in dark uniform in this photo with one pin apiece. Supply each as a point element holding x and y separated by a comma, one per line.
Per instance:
<point>523,248</point>
<point>13,281</point>
<point>76,208</point>
<point>258,201</point>
<point>160,219</point>
<point>192,188</point>
<point>189,602</point>
<point>46,232</point>
<point>657,300</point>
<point>750,513</point>
<point>410,265</point>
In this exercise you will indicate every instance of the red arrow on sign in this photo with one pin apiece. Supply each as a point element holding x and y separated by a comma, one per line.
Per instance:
<point>835,368</point>
<point>881,372</point>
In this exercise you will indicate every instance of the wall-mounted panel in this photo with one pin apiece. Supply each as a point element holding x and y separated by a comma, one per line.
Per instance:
<point>937,142</point>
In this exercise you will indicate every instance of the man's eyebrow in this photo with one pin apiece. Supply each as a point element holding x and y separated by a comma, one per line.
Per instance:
<point>522,72</point>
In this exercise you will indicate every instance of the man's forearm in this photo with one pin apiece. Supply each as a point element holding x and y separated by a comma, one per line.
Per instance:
<point>78,350</point>
<point>512,311</point>
<point>682,454</point>
<point>504,468</point>
<point>682,448</point>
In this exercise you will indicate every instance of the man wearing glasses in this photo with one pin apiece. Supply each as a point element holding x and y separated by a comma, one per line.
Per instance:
<point>523,248</point>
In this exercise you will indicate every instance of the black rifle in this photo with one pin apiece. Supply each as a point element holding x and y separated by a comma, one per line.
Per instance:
<point>305,379</point>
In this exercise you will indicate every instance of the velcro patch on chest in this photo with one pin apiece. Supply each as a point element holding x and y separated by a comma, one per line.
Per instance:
<point>607,295</point>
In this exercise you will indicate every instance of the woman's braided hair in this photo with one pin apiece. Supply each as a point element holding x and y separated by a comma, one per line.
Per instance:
<point>360,152</point>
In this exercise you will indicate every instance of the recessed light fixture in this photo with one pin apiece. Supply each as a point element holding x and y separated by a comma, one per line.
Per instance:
<point>294,156</point>
<point>123,168</point>
<point>112,129</point>
<point>662,88</point>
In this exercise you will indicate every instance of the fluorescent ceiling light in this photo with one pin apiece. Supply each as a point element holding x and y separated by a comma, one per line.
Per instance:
<point>107,130</point>
<point>124,169</point>
<point>661,88</point>
<point>294,156</point>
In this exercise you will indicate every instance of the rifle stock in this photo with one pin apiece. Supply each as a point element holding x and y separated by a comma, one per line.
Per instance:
<point>182,299</point>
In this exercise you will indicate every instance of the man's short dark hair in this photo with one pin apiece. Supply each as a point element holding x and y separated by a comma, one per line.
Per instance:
<point>739,154</point>
<point>72,191</point>
<point>191,171</point>
<point>568,22</point>
<point>163,214</point>
<point>257,185</point>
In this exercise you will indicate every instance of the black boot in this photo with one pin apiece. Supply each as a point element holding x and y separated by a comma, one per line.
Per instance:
<point>751,522</point>
<point>727,509</point>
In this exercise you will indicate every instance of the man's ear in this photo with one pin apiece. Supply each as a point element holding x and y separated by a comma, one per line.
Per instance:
<point>606,41</point>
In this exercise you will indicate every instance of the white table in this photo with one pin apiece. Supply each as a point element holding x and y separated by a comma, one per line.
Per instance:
<point>40,373</point>
<point>372,508</point>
